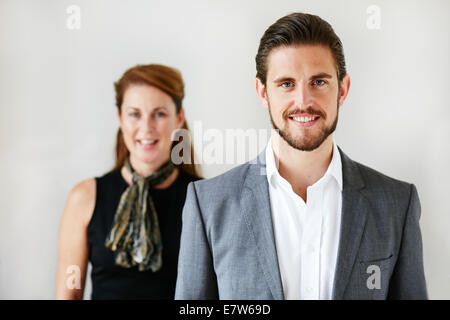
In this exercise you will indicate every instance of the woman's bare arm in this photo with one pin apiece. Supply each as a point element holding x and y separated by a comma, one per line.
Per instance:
<point>73,250</point>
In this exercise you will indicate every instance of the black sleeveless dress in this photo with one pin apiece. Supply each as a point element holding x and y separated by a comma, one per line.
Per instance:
<point>110,281</point>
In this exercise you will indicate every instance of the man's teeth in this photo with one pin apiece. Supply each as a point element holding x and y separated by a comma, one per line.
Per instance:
<point>303,119</point>
<point>147,142</point>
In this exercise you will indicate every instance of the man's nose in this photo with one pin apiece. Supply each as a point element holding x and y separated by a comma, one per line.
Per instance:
<point>303,95</point>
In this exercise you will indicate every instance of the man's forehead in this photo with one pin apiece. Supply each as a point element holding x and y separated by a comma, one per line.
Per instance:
<point>305,59</point>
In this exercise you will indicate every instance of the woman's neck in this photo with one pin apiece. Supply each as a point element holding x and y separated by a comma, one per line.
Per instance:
<point>146,170</point>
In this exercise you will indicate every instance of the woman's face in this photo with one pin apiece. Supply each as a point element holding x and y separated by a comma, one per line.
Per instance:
<point>147,119</point>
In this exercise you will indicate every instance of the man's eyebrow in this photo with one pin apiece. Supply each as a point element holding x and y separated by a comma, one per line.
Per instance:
<point>320,75</point>
<point>157,108</point>
<point>283,79</point>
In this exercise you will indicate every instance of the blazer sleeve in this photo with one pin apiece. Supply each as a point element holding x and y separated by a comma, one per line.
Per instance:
<point>408,278</point>
<point>196,279</point>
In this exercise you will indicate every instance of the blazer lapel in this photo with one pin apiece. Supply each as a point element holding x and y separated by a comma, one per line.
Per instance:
<point>354,213</point>
<point>255,207</point>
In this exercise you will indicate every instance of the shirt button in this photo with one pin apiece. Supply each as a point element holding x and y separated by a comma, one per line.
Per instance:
<point>311,249</point>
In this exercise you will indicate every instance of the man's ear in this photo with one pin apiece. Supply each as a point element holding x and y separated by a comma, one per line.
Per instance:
<point>344,88</point>
<point>261,93</point>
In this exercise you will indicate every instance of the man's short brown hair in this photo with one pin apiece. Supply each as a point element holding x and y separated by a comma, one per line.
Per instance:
<point>297,29</point>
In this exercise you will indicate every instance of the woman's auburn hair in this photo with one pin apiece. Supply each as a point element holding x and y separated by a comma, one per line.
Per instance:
<point>167,79</point>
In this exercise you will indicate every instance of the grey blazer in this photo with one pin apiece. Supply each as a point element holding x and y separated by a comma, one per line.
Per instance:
<point>228,251</point>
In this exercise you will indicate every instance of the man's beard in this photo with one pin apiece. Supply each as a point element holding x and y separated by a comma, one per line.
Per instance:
<point>305,143</point>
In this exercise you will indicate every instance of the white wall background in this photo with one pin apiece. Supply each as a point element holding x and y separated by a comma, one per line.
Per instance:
<point>58,120</point>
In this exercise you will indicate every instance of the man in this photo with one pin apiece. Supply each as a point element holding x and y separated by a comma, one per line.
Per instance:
<point>315,224</point>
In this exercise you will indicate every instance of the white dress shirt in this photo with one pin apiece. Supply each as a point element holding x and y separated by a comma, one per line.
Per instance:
<point>306,234</point>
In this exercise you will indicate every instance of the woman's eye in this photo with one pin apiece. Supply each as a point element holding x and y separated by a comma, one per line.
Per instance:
<point>134,114</point>
<point>159,114</point>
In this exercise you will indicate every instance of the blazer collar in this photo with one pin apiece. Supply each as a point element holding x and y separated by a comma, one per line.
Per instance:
<point>334,169</point>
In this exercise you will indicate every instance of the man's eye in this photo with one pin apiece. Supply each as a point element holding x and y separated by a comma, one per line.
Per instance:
<point>319,83</point>
<point>286,84</point>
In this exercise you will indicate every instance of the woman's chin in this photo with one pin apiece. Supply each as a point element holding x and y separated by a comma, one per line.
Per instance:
<point>150,158</point>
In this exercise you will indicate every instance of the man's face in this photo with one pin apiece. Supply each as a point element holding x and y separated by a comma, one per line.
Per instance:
<point>302,94</point>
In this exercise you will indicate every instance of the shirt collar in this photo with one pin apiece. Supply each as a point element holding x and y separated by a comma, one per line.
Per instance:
<point>334,169</point>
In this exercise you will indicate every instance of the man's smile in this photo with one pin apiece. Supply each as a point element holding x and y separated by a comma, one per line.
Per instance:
<point>304,120</point>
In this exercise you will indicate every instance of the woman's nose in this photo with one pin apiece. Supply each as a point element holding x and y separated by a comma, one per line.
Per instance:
<point>148,124</point>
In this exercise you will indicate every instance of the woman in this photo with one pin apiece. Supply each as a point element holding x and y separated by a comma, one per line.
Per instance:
<point>127,223</point>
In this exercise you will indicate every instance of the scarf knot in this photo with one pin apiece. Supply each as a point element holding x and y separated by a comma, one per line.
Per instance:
<point>135,237</point>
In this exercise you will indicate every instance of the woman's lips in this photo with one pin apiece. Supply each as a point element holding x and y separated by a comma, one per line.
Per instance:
<point>147,144</point>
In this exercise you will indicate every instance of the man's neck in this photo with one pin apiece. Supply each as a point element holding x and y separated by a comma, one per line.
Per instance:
<point>301,168</point>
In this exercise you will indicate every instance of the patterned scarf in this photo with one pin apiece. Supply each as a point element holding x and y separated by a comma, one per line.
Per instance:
<point>135,237</point>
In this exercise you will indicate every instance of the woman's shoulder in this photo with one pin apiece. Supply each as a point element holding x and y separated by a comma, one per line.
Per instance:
<point>83,196</point>
<point>81,200</point>
<point>84,190</point>
<point>87,188</point>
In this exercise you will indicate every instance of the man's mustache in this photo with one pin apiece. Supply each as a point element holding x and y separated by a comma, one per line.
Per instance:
<point>310,111</point>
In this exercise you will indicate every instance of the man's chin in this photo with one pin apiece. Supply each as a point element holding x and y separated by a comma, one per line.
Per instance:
<point>307,139</point>
<point>304,146</point>
<point>302,143</point>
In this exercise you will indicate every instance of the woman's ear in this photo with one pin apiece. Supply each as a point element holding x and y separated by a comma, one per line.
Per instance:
<point>261,93</point>
<point>118,115</point>
<point>181,118</point>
